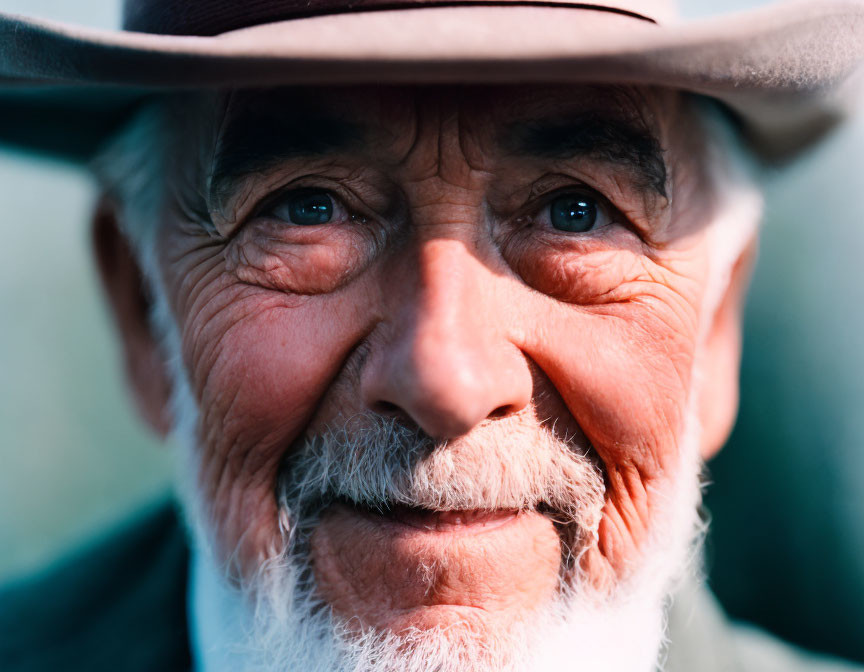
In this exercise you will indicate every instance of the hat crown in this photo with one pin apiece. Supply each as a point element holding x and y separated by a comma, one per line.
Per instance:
<point>212,17</point>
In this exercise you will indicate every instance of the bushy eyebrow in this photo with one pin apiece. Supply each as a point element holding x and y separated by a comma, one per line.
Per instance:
<point>256,140</point>
<point>592,136</point>
<point>257,135</point>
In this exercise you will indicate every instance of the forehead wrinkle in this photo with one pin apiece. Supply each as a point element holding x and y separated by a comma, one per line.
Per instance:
<point>444,143</point>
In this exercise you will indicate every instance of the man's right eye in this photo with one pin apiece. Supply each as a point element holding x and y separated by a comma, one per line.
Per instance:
<point>304,208</point>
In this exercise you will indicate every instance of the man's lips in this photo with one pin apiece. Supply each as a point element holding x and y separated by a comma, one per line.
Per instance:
<point>417,568</point>
<point>458,521</point>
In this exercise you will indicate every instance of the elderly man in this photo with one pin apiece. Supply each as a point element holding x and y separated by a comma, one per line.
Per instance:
<point>441,304</point>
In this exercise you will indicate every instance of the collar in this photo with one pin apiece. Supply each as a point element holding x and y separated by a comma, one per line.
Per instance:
<point>216,618</point>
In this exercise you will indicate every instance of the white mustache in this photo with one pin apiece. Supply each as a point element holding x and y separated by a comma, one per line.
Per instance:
<point>506,464</point>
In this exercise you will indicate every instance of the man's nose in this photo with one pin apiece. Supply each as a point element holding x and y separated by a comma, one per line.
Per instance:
<point>445,359</point>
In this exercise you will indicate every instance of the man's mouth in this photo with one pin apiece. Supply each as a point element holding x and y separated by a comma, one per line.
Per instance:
<point>402,567</point>
<point>427,520</point>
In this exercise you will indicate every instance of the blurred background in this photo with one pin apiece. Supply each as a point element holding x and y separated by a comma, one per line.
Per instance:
<point>787,500</point>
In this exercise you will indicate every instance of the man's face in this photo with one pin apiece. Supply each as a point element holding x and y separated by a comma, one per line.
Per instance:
<point>493,296</point>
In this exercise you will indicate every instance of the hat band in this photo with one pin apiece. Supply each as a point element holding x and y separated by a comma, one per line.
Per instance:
<point>206,18</point>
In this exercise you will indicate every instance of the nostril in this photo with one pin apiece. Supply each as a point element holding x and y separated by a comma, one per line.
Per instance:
<point>385,408</point>
<point>501,412</point>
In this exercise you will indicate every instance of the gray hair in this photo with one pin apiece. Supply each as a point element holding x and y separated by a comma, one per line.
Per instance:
<point>130,169</point>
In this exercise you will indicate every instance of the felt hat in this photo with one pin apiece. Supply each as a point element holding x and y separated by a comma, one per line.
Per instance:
<point>783,70</point>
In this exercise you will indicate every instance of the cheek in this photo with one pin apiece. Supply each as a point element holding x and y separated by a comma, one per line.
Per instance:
<point>623,370</point>
<point>258,362</point>
<point>618,338</point>
<point>632,382</point>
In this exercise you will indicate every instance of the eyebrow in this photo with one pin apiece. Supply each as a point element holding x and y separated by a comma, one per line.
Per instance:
<point>592,136</point>
<point>255,137</point>
<point>258,138</point>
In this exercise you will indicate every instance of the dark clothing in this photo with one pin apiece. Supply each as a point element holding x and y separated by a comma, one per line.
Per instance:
<point>702,639</point>
<point>118,606</point>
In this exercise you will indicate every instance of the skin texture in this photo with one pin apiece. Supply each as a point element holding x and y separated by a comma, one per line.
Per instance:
<point>439,294</point>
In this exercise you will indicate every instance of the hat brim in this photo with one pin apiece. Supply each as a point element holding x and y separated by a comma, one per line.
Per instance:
<point>780,68</point>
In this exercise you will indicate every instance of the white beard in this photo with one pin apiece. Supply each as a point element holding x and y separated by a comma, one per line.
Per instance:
<point>285,629</point>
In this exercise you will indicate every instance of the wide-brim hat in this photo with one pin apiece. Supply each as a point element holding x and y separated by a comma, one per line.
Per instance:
<point>782,70</point>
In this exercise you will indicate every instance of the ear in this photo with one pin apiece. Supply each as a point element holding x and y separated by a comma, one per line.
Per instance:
<point>128,297</point>
<point>718,401</point>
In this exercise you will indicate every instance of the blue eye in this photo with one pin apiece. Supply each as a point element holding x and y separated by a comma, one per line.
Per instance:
<point>305,208</point>
<point>575,213</point>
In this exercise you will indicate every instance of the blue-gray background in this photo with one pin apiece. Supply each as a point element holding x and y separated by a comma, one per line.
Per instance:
<point>787,500</point>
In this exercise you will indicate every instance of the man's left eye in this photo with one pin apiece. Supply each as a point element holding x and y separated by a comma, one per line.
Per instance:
<point>305,208</point>
<point>574,212</point>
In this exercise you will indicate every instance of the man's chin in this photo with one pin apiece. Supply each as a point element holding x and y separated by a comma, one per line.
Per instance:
<point>409,569</point>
